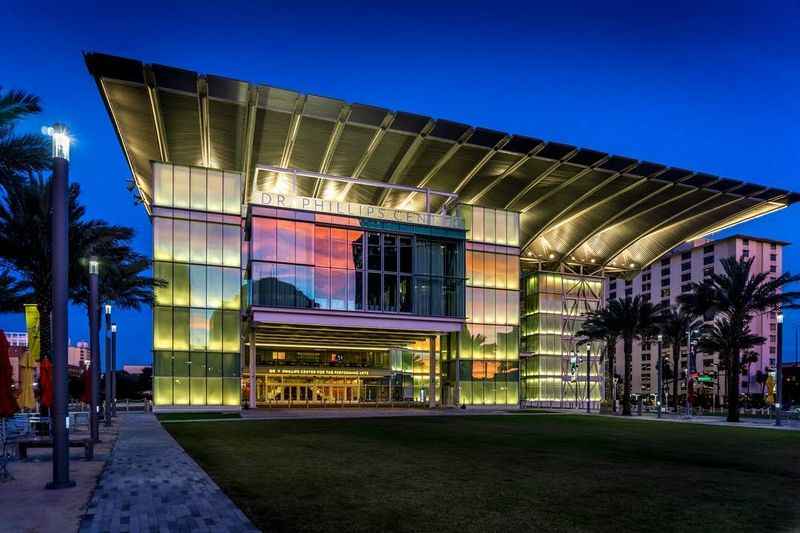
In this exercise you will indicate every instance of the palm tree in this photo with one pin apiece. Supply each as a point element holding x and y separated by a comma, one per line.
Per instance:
<point>601,325</point>
<point>20,154</point>
<point>638,320</point>
<point>735,296</point>
<point>726,338</point>
<point>674,323</point>
<point>25,243</point>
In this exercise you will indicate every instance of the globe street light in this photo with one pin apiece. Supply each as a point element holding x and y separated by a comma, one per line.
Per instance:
<point>59,246</point>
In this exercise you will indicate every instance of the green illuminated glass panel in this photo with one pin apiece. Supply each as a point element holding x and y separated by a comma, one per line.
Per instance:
<point>215,330</point>
<point>198,242</point>
<point>214,253</point>
<point>181,381</point>
<point>197,278</point>
<point>162,390</point>
<point>181,240</point>
<point>197,381</point>
<point>214,287</point>
<point>163,271</point>
<point>198,188</point>
<point>215,195</point>
<point>232,251</point>
<point>162,363</point>
<point>162,328</point>
<point>180,177</point>
<point>214,379</point>
<point>180,324</point>
<point>180,284</point>
<point>198,324</point>
<point>162,239</point>
<point>489,225</point>
<point>232,193</point>
<point>231,288</point>
<point>162,178</point>
<point>230,331</point>
<point>501,219</point>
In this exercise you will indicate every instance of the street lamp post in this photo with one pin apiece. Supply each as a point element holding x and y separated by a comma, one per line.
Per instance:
<point>660,376</point>
<point>59,245</point>
<point>113,370</point>
<point>94,347</point>
<point>107,408</point>
<point>779,372</point>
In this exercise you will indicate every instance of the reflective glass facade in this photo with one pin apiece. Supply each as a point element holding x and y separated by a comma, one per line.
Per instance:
<point>483,359</point>
<point>309,260</point>
<point>554,307</point>
<point>196,319</point>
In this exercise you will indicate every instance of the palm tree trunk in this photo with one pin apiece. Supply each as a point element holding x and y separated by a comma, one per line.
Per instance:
<point>733,386</point>
<point>626,395</point>
<point>612,356</point>
<point>676,361</point>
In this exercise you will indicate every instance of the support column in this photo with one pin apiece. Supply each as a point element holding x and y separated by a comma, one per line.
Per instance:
<point>432,365</point>
<point>252,369</point>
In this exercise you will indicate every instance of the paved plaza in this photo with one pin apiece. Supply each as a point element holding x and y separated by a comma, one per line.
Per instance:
<point>151,485</point>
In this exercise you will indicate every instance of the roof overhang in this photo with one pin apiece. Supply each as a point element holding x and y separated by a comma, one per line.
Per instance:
<point>578,206</point>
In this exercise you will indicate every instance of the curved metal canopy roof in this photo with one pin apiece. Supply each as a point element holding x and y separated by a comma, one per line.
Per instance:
<point>577,205</point>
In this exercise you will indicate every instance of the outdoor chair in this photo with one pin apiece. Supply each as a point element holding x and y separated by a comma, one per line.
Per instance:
<point>12,430</point>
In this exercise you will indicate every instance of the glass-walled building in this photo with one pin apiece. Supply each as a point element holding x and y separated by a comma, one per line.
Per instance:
<point>315,251</point>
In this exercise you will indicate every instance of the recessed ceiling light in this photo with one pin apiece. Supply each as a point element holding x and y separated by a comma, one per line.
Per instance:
<point>552,256</point>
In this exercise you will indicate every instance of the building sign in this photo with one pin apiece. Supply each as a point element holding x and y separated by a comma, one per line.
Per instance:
<point>352,209</point>
<point>327,372</point>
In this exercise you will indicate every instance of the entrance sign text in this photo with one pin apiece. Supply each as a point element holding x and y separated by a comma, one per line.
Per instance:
<point>352,209</point>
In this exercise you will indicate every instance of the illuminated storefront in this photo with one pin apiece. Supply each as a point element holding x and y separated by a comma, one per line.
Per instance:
<point>321,252</point>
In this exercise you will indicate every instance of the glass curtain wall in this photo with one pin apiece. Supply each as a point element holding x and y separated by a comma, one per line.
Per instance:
<point>305,260</point>
<point>196,319</point>
<point>486,353</point>
<point>553,371</point>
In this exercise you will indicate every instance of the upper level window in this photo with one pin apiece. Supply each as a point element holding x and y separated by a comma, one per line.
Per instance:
<point>686,266</point>
<point>685,256</point>
<point>312,265</point>
<point>708,249</point>
<point>665,261</point>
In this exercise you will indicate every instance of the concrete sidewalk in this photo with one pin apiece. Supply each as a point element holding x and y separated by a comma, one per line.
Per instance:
<point>152,485</point>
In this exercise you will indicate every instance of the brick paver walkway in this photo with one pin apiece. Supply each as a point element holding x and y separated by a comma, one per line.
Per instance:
<point>151,485</point>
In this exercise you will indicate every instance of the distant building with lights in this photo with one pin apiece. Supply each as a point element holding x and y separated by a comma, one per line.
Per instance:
<point>671,276</point>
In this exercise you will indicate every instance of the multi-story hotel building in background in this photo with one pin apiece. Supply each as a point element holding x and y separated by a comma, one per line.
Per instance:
<point>321,252</point>
<point>671,276</point>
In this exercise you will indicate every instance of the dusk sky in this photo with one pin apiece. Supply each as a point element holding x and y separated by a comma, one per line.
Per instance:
<point>707,86</point>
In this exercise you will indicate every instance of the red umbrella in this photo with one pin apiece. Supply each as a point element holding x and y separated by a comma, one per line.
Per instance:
<point>46,382</point>
<point>8,403</point>
<point>86,378</point>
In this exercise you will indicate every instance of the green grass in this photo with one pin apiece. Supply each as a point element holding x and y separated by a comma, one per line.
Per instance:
<point>501,473</point>
<point>169,417</point>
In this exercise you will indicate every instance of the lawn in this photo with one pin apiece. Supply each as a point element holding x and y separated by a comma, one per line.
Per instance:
<point>501,473</point>
<point>180,417</point>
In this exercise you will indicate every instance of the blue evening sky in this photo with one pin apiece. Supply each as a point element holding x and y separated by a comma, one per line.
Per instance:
<point>708,86</point>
